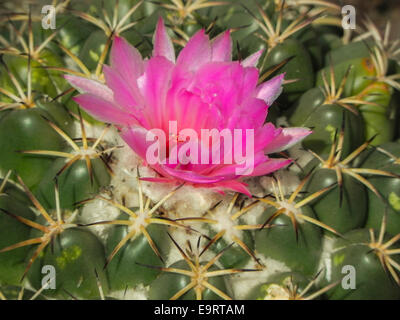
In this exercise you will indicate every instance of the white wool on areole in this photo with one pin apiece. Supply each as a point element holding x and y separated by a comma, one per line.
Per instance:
<point>251,217</point>
<point>140,292</point>
<point>125,164</point>
<point>242,283</point>
<point>288,179</point>
<point>96,211</point>
<point>225,223</point>
<point>325,263</point>
<point>301,156</point>
<point>188,201</point>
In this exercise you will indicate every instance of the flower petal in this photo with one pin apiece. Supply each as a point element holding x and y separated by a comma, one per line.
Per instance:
<point>126,60</point>
<point>233,185</point>
<point>94,87</point>
<point>122,93</point>
<point>103,110</point>
<point>252,60</point>
<point>221,47</point>
<point>154,86</point>
<point>135,137</point>
<point>196,52</point>
<point>254,165</point>
<point>270,90</point>
<point>286,139</point>
<point>191,177</point>
<point>270,166</point>
<point>162,42</point>
<point>158,179</point>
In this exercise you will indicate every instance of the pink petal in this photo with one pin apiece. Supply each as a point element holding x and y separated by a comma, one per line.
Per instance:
<point>221,47</point>
<point>187,109</point>
<point>190,176</point>
<point>233,185</point>
<point>126,60</point>
<point>103,110</point>
<point>261,165</point>
<point>270,90</point>
<point>162,42</point>
<point>252,60</point>
<point>270,166</point>
<point>196,52</point>
<point>287,138</point>
<point>135,137</point>
<point>252,114</point>
<point>159,179</point>
<point>265,135</point>
<point>249,83</point>
<point>122,93</point>
<point>94,87</point>
<point>221,85</point>
<point>154,87</point>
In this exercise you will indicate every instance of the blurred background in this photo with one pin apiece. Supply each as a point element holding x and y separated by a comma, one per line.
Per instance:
<point>375,8</point>
<point>380,11</point>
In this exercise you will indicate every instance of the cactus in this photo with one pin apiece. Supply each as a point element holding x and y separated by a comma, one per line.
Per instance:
<point>78,194</point>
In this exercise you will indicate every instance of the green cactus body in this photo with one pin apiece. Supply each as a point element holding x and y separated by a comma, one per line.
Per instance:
<point>136,263</point>
<point>77,256</point>
<point>26,129</point>
<point>300,254</point>
<point>343,215</point>
<point>12,263</point>
<point>75,183</point>
<point>371,280</point>
<point>388,188</point>
<point>300,67</point>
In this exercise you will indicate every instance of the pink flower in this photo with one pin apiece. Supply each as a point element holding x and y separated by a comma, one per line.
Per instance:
<point>201,89</point>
